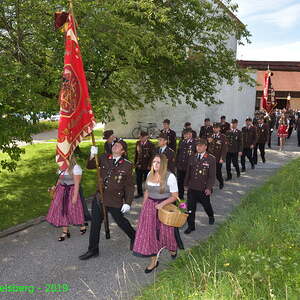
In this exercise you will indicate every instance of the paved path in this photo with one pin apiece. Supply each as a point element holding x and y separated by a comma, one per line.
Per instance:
<point>34,257</point>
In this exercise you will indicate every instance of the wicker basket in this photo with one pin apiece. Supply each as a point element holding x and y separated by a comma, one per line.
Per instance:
<point>170,215</point>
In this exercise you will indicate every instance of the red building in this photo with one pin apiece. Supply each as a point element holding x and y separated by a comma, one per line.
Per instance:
<point>285,81</point>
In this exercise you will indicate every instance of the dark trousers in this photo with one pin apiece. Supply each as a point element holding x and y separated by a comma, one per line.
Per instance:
<point>246,152</point>
<point>261,147</point>
<point>180,181</point>
<point>97,219</point>
<point>298,136</point>
<point>219,172</point>
<point>290,131</point>
<point>270,138</point>
<point>141,176</point>
<point>232,157</point>
<point>195,196</point>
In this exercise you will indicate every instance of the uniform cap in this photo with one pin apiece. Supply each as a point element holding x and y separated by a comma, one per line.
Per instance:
<point>248,119</point>
<point>107,134</point>
<point>223,117</point>
<point>234,121</point>
<point>207,119</point>
<point>201,142</point>
<point>122,142</point>
<point>167,121</point>
<point>144,133</point>
<point>163,136</point>
<point>187,130</point>
<point>187,124</point>
<point>216,125</point>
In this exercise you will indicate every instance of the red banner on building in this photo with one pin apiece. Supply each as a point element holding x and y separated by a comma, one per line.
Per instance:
<point>76,115</point>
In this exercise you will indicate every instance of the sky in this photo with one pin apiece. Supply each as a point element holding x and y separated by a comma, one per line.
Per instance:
<point>275,29</point>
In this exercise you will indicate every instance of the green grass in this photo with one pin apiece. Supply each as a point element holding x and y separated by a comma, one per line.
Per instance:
<point>254,255</point>
<point>44,126</point>
<point>23,193</point>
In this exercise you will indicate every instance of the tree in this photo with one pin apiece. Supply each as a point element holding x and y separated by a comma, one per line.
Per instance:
<point>136,52</point>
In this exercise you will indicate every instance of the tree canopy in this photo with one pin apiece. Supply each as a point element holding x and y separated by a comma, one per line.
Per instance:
<point>135,52</point>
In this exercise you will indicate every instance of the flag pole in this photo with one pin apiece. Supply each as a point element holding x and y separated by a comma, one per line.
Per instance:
<point>99,178</point>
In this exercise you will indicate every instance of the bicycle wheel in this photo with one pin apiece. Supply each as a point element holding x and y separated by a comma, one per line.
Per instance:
<point>135,132</point>
<point>153,132</point>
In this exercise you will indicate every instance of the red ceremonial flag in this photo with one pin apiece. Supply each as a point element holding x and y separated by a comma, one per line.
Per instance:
<point>268,101</point>
<point>76,115</point>
<point>264,98</point>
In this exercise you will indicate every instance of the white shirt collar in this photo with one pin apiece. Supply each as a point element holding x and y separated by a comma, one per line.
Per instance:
<point>116,158</point>
<point>162,149</point>
<point>201,154</point>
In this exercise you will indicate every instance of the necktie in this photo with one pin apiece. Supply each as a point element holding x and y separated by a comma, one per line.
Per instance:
<point>114,161</point>
<point>160,151</point>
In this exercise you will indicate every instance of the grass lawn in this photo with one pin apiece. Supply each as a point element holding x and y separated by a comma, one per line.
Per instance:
<point>254,255</point>
<point>23,193</point>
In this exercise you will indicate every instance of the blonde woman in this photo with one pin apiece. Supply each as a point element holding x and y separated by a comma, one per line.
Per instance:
<point>66,207</point>
<point>152,235</point>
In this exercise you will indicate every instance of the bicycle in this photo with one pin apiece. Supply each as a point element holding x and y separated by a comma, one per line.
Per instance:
<point>150,128</point>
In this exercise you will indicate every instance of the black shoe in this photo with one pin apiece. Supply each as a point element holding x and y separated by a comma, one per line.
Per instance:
<point>173,256</point>
<point>89,254</point>
<point>150,270</point>
<point>138,196</point>
<point>252,167</point>
<point>228,178</point>
<point>189,230</point>
<point>238,175</point>
<point>243,170</point>
<point>82,231</point>
<point>264,161</point>
<point>64,235</point>
<point>221,185</point>
<point>211,221</point>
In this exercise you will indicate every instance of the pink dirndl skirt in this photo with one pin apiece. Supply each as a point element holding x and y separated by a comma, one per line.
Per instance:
<point>62,212</point>
<point>152,235</point>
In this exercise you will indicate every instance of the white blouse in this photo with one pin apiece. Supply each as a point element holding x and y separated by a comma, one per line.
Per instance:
<point>171,182</point>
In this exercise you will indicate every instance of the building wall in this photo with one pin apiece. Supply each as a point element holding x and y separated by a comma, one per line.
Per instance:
<point>295,104</point>
<point>236,104</point>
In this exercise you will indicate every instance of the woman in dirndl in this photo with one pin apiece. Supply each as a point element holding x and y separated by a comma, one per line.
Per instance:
<point>152,236</point>
<point>68,206</point>
<point>282,133</point>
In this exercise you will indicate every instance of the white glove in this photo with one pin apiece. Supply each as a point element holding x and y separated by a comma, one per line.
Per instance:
<point>94,150</point>
<point>125,208</point>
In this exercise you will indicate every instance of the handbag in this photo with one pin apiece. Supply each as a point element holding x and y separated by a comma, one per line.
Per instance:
<point>52,189</point>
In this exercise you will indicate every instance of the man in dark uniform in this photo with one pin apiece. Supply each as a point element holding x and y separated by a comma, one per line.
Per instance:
<point>200,179</point>
<point>291,121</point>
<point>262,130</point>
<point>225,126</point>
<point>206,131</point>
<point>144,152</point>
<point>170,133</point>
<point>249,140</point>
<point>116,173</point>
<point>189,125</point>
<point>297,128</point>
<point>168,152</point>
<point>185,149</point>
<point>270,120</point>
<point>217,146</point>
<point>235,148</point>
<point>109,136</point>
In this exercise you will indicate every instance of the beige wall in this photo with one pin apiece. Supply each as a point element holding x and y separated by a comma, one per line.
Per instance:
<point>295,103</point>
